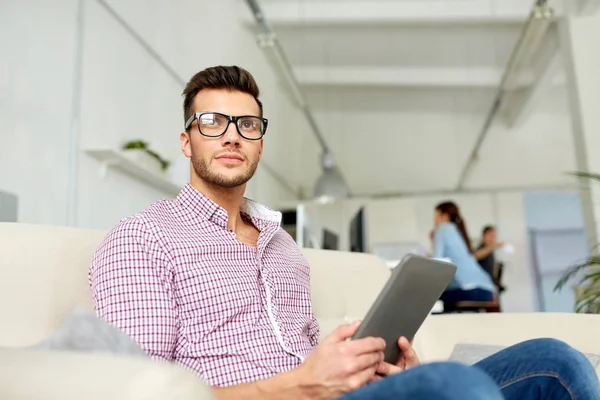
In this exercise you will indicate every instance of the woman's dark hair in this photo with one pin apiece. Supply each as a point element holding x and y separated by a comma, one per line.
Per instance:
<point>451,210</point>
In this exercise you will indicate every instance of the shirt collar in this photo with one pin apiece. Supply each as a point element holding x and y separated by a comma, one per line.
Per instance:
<point>207,209</point>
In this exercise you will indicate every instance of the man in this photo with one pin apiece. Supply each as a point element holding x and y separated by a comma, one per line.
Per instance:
<point>210,281</point>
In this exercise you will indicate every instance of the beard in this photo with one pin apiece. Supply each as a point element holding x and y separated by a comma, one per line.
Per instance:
<point>204,172</point>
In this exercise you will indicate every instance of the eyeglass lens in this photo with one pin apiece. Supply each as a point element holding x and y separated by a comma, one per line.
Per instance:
<point>214,124</point>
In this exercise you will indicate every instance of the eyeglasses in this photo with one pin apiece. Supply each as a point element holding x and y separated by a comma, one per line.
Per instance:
<point>212,124</point>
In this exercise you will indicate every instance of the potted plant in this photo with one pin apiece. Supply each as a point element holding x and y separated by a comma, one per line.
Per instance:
<point>140,153</point>
<point>586,274</point>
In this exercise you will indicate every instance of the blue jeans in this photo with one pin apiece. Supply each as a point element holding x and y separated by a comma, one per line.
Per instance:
<point>544,369</point>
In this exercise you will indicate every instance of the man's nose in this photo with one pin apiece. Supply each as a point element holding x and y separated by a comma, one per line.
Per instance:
<point>231,135</point>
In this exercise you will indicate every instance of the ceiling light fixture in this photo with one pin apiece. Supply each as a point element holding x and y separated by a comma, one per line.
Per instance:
<point>540,19</point>
<point>331,185</point>
<point>534,31</point>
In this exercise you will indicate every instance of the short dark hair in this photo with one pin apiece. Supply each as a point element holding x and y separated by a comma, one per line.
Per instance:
<point>231,78</point>
<point>487,229</point>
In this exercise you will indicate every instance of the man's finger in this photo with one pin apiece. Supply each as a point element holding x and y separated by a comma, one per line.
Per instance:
<point>404,344</point>
<point>367,361</point>
<point>342,333</point>
<point>362,378</point>
<point>409,356</point>
<point>388,369</point>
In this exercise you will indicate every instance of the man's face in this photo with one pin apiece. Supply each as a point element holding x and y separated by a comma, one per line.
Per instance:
<point>230,160</point>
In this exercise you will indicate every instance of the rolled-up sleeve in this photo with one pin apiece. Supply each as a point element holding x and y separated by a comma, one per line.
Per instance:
<point>131,283</point>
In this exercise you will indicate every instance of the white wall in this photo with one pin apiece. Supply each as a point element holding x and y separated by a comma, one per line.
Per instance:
<point>518,274</point>
<point>580,35</point>
<point>37,46</point>
<point>125,95</point>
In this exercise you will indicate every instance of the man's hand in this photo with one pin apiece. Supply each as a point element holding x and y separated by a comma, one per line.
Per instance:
<point>335,367</point>
<point>407,360</point>
<point>339,366</point>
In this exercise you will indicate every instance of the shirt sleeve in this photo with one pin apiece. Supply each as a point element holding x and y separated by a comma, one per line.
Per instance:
<point>439,240</point>
<point>132,289</point>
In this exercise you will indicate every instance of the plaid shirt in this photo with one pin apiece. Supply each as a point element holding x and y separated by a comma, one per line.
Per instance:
<point>177,280</point>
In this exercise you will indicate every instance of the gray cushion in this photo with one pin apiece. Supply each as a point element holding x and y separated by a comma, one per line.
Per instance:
<point>84,331</point>
<point>470,353</point>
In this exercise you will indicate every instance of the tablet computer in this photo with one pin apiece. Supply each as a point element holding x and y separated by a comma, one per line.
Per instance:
<point>405,301</point>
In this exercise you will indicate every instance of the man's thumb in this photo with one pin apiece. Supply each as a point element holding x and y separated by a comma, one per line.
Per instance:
<point>342,332</point>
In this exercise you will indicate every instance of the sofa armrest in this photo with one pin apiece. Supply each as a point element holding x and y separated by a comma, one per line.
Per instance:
<point>440,333</point>
<point>53,375</point>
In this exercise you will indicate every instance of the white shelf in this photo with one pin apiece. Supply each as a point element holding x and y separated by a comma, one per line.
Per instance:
<point>115,159</point>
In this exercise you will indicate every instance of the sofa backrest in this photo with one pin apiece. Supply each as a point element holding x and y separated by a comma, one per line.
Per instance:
<point>43,276</point>
<point>343,285</point>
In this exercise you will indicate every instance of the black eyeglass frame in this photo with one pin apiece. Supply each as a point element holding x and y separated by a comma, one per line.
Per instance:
<point>230,119</point>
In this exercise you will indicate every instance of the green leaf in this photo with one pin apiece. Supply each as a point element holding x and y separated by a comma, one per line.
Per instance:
<point>586,175</point>
<point>570,274</point>
<point>136,144</point>
<point>588,293</point>
<point>590,278</point>
<point>139,144</point>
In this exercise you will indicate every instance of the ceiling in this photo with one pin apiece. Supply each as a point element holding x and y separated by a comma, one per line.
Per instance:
<point>401,89</point>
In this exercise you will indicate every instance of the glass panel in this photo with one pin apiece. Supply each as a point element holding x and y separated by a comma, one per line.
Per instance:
<point>555,251</point>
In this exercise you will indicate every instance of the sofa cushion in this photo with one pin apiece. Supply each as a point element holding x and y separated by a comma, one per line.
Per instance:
<point>67,375</point>
<point>83,331</point>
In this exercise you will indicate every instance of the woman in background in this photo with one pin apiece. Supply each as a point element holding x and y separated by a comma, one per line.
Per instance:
<point>450,240</point>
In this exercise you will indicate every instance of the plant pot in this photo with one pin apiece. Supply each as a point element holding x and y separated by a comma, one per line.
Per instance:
<point>144,160</point>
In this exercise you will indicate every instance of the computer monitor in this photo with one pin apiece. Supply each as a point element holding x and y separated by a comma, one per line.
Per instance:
<point>8,207</point>
<point>330,240</point>
<point>299,224</point>
<point>357,232</point>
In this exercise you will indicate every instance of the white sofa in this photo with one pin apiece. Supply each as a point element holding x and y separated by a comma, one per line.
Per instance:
<point>43,276</point>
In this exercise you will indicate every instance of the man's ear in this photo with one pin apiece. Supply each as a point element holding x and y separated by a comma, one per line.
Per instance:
<point>186,144</point>
<point>262,142</point>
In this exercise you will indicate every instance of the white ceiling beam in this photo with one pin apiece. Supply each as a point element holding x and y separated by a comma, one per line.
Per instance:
<point>519,111</point>
<point>303,12</point>
<point>405,76</point>
<point>546,69</point>
<point>580,7</point>
<point>589,6</point>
